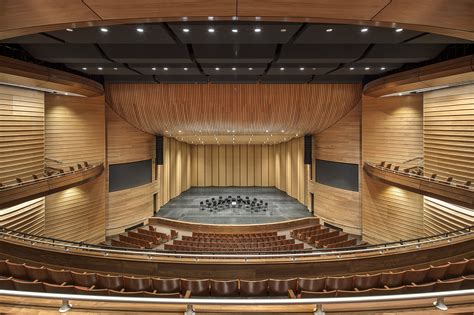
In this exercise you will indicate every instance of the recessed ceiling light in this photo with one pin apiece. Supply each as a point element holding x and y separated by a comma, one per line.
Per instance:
<point>257,30</point>
<point>313,68</point>
<point>115,69</point>
<point>210,18</point>
<point>154,69</point>
<point>104,30</point>
<point>185,69</point>
<point>250,69</point>
<point>234,30</point>
<point>329,30</point>
<point>382,68</point>
<point>140,30</point>
<point>283,30</point>
<point>367,68</point>
<point>398,30</point>
<point>351,68</point>
<point>281,69</point>
<point>365,29</point>
<point>301,69</point>
<point>165,68</point>
<point>234,68</point>
<point>211,30</point>
<point>69,30</point>
<point>217,69</point>
<point>100,68</point>
<point>84,68</point>
<point>186,30</point>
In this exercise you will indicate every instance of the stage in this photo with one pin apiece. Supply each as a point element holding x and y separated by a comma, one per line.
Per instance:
<point>186,207</point>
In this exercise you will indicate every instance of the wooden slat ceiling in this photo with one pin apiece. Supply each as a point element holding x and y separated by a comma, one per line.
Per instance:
<point>193,110</point>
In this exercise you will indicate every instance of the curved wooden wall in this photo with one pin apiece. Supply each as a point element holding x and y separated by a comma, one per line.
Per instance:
<point>339,143</point>
<point>22,152</point>
<point>75,132</point>
<point>249,108</point>
<point>392,130</point>
<point>448,151</point>
<point>440,16</point>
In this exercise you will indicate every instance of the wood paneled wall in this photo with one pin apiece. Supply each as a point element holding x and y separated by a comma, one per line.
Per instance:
<point>339,143</point>
<point>279,165</point>
<point>448,151</point>
<point>22,152</point>
<point>392,130</point>
<point>75,132</point>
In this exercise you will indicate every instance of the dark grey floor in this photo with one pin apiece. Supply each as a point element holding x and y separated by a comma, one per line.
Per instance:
<point>281,207</point>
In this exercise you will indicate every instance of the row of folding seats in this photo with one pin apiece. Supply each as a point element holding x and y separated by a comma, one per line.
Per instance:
<point>234,235</point>
<point>297,232</point>
<point>233,248</point>
<point>233,240</point>
<point>235,244</point>
<point>143,238</point>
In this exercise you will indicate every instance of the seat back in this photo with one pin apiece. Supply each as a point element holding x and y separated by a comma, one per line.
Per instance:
<point>123,293</point>
<point>437,272</point>
<point>322,294</point>
<point>388,291</point>
<point>172,285</point>
<point>17,271</point>
<point>3,268</point>
<point>60,276</point>
<point>22,285</point>
<point>6,284</point>
<point>448,285</point>
<point>224,288</point>
<point>254,288</point>
<point>419,288</point>
<point>137,284</point>
<point>339,283</point>
<point>87,291</point>
<point>281,287</point>
<point>84,279</point>
<point>55,288</point>
<point>415,276</point>
<point>345,293</point>
<point>198,287</point>
<point>456,269</point>
<point>109,282</point>
<point>161,295</point>
<point>311,284</point>
<point>392,279</point>
<point>37,273</point>
<point>363,282</point>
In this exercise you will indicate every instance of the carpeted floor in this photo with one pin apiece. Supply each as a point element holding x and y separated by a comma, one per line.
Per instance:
<point>281,207</point>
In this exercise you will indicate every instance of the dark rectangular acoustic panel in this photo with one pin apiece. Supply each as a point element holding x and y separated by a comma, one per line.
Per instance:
<point>339,175</point>
<point>129,175</point>
<point>159,150</point>
<point>308,149</point>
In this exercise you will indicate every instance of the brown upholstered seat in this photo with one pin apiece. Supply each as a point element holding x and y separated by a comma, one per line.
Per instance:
<point>198,287</point>
<point>3,268</point>
<point>253,288</point>
<point>60,276</point>
<point>172,285</point>
<point>281,287</point>
<point>224,287</point>
<point>419,288</point>
<point>84,279</point>
<point>322,294</point>
<point>392,279</point>
<point>363,282</point>
<point>456,269</point>
<point>415,276</point>
<point>339,283</point>
<point>56,288</point>
<point>388,291</point>
<point>311,284</point>
<point>161,295</point>
<point>109,282</point>
<point>468,283</point>
<point>469,270</point>
<point>17,271</point>
<point>348,293</point>
<point>88,291</point>
<point>6,283</point>
<point>437,272</point>
<point>123,293</point>
<point>37,273</point>
<point>22,285</point>
<point>137,284</point>
<point>448,285</point>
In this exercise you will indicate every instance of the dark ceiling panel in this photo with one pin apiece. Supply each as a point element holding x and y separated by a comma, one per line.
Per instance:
<point>167,70</point>
<point>236,54</point>
<point>286,78</point>
<point>321,53</point>
<point>337,79</point>
<point>245,71</point>
<point>438,39</point>
<point>244,33</point>
<point>129,79</point>
<point>365,69</point>
<point>32,39</point>
<point>350,34</point>
<point>117,34</point>
<point>147,53</point>
<point>407,53</point>
<point>234,79</point>
<point>296,70</point>
<point>102,69</point>
<point>66,53</point>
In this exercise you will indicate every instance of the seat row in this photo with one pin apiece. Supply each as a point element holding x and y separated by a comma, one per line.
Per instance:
<point>143,238</point>
<point>233,235</point>
<point>444,277</point>
<point>234,248</point>
<point>233,240</point>
<point>235,244</point>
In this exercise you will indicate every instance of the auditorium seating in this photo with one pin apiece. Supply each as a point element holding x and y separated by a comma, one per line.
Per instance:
<point>143,238</point>
<point>323,237</point>
<point>444,277</point>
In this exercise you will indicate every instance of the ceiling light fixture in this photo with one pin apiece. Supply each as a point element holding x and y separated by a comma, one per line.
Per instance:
<point>154,69</point>
<point>282,130</point>
<point>69,30</point>
<point>283,30</point>
<point>140,30</point>
<point>382,68</point>
<point>234,30</point>
<point>351,69</point>
<point>217,69</point>
<point>367,68</point>
<point>281,69</point>
<point>250,69</point>
<point>210,18</point>
<point>186,30</point>
<point>180,131</point>
<point>100,68</point>
<point>313,68</point>
<point>84,68</point>
<point>211,30</point>
<point>185,69</point>
<point>115,69</point>
<point>398,30</point>
<point>266,131</point>
<point>301,69</point>
<point>329,30</point>
<point>257,30</point>
<point>104,30</point>
<point>234,68</point>
<point>165,68</point>
<point>364,30</point>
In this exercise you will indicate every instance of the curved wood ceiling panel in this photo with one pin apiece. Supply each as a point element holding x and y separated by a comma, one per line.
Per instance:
<point>244,108</point>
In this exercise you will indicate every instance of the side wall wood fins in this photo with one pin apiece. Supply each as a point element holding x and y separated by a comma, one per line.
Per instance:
<point>392,130</point>
<point>75,132</point>
<point>339,143</point>
<point>22,152</point>
<point>448,151</point>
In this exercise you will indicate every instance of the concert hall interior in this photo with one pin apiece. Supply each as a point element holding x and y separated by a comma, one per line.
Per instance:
<point>237,156</point>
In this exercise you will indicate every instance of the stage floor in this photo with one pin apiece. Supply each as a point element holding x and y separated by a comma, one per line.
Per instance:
<point>281,207</point>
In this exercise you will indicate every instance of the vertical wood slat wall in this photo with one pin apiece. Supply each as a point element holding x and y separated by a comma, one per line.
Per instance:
<point>75,132</point>
<point>250,165</point>
<point>22,152</point>
<point>448,131</point>
<point>339,143</point>
<point>392,130</point>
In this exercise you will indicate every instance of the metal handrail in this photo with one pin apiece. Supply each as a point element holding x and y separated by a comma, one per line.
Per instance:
<point>189,302</point>
<point>67,245</point>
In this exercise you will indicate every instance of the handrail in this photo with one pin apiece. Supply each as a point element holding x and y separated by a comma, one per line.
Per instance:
<point>319,302</point>
<point>105,250</point>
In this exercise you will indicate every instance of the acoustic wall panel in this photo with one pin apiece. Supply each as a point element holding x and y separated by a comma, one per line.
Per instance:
<point>336,174</point>
<point>128,175</point>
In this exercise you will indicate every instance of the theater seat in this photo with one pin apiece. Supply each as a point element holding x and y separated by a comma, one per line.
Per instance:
<point>281,287</point>
<point>84,279</point>
<point>224,287</point>
<point>172,285</point>
<point>55,288</point>
<point>468,283</point>
<point>34,286</point>
<point>3,268</point>
<point>110,282</point>
<point>415,276</point>
<point>123,293</point>
<point>311,284</point>
<point>60,276</point>
<point>88,291</point>
<point>448,285</point>
<point>392,279</point>
<point>137,284</point>
<point>161,295</point>
<point>339,283</point>
<point>364,282</point>
<point>388,291</point>
<point>437,272</point>
<point>254,288</point>
<point>17,271</point>
<point>6,283</point>
<point>344,293</point>
<point>456,269</point>
<point>35,273</point>
<point>196,287</point>
<point>419,288</point>
<point>322,294</point>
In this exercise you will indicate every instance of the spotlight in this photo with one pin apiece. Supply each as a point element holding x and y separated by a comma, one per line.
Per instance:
<point>365,29</point>
<point>115,69</point>
<point>185,69</point>
<point>351,68</point>
<point>329,30</point>
<point>100,68</point>
<point>367,68</point>
<point>257,30</point>
<point>217,68</point>
<point>234,30</point>
<point>301,69</point>
<point>250,69</point>
<point>186,30</point>
<point>234,68</point>
<point>211,30</point>
<point>154,69</point>
<point>165,68</point>
<point>140,30</point>
<point>104,30</point>
<point>84,68</point>
<point>283,30</point>
<point>382,68</point>
<point>398,30</point>
<point>69,30</point>
<point>281,69</point>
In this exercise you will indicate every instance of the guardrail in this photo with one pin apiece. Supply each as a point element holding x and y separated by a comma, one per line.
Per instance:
<point>439,303</point>
<point>292,256</point>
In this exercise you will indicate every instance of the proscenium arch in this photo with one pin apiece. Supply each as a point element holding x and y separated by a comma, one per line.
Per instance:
<point>445,17</point>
